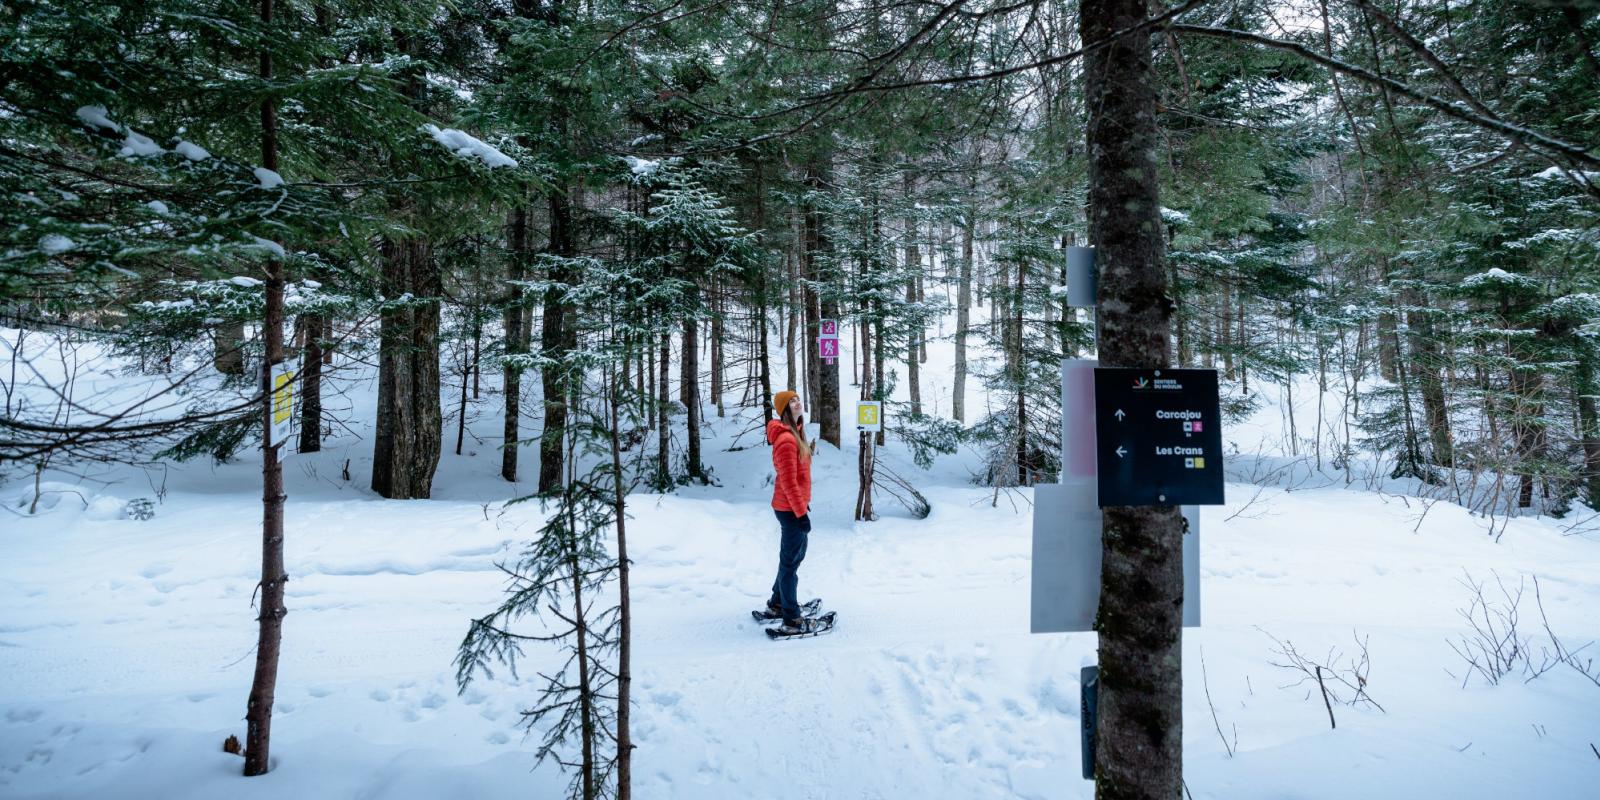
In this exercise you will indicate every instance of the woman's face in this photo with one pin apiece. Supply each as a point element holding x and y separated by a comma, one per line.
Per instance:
<point>796,411</point>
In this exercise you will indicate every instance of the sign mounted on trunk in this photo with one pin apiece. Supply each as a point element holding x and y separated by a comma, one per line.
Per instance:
<point>828,349</point>
<point>869,415</point>
<point>1158,437</point>
<point>283,402</point>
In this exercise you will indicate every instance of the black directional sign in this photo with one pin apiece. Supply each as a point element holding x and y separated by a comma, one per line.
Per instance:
<point>1158,437</point>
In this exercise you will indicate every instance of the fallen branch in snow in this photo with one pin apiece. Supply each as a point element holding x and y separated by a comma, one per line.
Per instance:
<point>902,491</point>
<point>1324,687</point>
<point>1328,675</point>
<point>1246,507</point>
<point>1206,682</point>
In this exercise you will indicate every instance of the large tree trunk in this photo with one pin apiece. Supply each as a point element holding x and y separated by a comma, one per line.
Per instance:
<point>409,425</point>
<point>1427,368</point>
<point>825,398</point>
<point>264,684</point>
<point>1139,747</point>
<point>558,337</point>
<point>228,352</point>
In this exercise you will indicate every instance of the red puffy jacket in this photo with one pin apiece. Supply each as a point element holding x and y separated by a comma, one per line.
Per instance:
<point>792,490</point>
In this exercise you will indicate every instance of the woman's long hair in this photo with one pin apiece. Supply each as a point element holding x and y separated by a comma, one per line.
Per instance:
<point>797,426</point>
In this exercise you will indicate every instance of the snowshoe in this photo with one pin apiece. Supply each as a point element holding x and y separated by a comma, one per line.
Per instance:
<point>809,608</point>
<point>809,626</point>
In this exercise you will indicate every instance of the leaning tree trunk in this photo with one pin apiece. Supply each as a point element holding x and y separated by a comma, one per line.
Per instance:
<point>409,425</point>
<point>1139,748</point>
<point>269,637</point>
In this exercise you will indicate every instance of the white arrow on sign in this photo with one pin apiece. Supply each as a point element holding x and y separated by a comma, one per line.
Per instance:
<point>1120,415</point>
<point>1121,452</point>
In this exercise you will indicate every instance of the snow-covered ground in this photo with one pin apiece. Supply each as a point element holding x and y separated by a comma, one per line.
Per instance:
<point>126,646</point>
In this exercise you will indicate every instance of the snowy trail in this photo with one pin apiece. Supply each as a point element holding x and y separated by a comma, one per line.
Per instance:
<point>125,647</point>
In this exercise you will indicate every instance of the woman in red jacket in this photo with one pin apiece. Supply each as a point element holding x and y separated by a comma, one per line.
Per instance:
<point>791,502</point>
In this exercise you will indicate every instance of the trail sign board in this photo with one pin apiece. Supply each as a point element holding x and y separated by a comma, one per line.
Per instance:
<point>1158,437</point>
<point>283,385</point>
<point>828,329</point>
<point>869,415</point>
<point>828,349</point>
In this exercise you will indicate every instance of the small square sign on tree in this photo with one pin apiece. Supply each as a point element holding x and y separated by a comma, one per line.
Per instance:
<point>869,415</point>
<point>828,349</point>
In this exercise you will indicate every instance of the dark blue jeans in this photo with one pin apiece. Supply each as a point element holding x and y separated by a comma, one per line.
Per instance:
<point>791,552</point>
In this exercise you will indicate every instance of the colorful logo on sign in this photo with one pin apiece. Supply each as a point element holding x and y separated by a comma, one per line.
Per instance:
<point>828,348</point>
<point>1141,383</point>
<point>869,415</point>
<point>829,329</point>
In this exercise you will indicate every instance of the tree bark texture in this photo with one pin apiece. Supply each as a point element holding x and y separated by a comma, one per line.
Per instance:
<point>310,389</point>
<point>558,337</point>
<point>691,399</point>
<point>1139,749</point>
<point>517,334</point>
<point>269,634</point>
<point>958,384</point>
<point>825,399</point>
<point>409,424</point>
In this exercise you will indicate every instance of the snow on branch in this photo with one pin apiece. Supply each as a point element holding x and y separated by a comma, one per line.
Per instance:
<point>468,146</point>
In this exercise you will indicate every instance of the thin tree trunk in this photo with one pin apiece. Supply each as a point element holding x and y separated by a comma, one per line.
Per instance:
<point>311,385</point>
<point>717,356</point>
<point>794,314</point>
<point>913,372</point>
<point>1021,373</point>
<point>461,411</point>
<point>264,684</point>
<point>691,397</point>
<point>516,343</point>
<point>663,429</point>
<point>1139,748</point>
<point>624,609</point>
<point>557,338</point>
<point>477,349</point>
<point>958,385</point>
